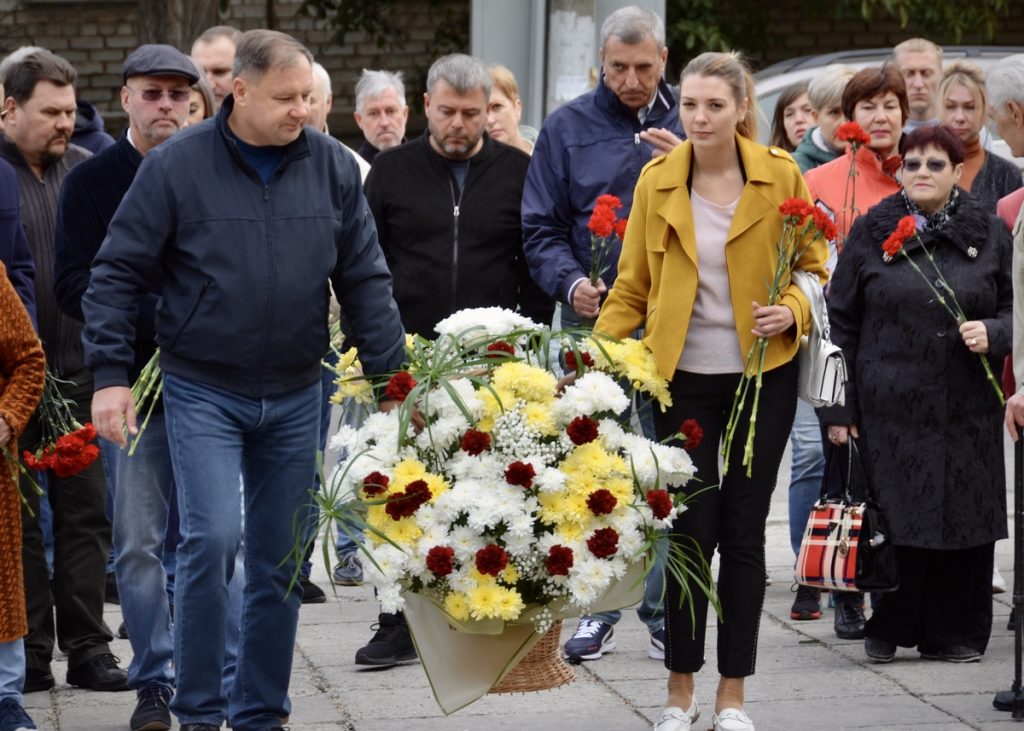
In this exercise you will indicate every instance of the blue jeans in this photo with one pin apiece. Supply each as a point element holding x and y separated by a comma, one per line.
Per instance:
<point>214,436</point>
<point>142,488</point>
<point>352,414</point>
<point>808,470</point>
<point>12,670</point>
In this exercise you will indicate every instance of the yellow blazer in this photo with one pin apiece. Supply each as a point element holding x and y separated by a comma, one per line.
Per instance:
<point>658,271</point>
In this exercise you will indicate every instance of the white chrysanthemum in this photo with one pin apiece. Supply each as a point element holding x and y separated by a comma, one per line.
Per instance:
<point>612,434</point>
<point>466,542</point>
<point>442,433</point>
<point>387,566</point>
<point>658,465</point>
<point>483,514</point>
<point>391,599</point>
<point>483,322</point>
<point>549,479</point>
<point>593,393</point>
<point>484,467</point>
<point>461,580</point>
<point>588,579</point>
<point>345,439</point>
<point>439,402</point>
<point>519,544</point>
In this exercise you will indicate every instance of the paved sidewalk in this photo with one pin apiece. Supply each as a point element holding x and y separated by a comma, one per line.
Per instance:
<point>807,679</point>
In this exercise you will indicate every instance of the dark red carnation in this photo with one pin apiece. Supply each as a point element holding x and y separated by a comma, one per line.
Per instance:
<point>559,560</point>
<point>660,503</point>
<point>441,560</point>
<point>601,502</point>
<point>582,430</point>
<point>491,560</point>
<point>39,461</point>
<point>501,346</point>
<point>375,483</point>
<point>406,503</point>
<point>573,365</point>
<point>692,433</point>
<point>796,208</point>
<point>520,473</point>
<point>853,133</point>
<point>400,385</point>
<point>474,442</point>
<point>604,543</point>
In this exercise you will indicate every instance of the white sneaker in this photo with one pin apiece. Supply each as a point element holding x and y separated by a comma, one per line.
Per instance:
<point>675,718</point>
<point>998,582</point>
<point>732,719</point>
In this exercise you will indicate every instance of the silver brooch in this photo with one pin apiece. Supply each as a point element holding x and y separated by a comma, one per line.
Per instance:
<point>972,252</point>
<point>886,257</point>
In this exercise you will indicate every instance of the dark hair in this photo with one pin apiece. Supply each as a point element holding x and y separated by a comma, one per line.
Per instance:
<point>936,135</point>
<point>21,78</point>
<point>260,50</point>
<point>789,95</point>
<point>871,82</point>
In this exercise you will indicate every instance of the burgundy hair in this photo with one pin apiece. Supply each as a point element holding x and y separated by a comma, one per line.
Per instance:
<point>936,135</point>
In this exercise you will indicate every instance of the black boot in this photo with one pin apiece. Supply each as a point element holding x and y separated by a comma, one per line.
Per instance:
<point>849,622</point>
<point>390,645</point>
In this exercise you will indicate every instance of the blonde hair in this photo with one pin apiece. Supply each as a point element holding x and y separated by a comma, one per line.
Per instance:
<point>918,45</point>
<point>733,70</point>
<point>505,82</point>
<point>968,75</point>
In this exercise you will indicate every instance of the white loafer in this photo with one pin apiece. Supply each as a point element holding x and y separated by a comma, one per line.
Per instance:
<point>675,718</point>
<point>732,719</point>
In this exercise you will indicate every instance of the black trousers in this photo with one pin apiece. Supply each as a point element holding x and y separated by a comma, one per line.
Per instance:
<point>729,516</point>
<point>81,536</point>
<point>944,600</point>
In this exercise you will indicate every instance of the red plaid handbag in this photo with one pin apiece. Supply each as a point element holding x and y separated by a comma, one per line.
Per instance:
<point>846,544</point>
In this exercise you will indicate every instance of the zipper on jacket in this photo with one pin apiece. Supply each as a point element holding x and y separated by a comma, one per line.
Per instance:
<point>456,204</point>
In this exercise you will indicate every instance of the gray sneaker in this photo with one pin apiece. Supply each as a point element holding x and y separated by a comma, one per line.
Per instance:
<point>349,570</point>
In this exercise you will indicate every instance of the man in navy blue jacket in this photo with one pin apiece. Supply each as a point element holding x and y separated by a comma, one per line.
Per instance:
<point>14,251</point>
<point>240,222</point>
<point>597,144</point>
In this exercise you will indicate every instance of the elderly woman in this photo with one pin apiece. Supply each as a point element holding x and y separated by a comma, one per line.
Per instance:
<point>699,251</point>
<point>793,116</point>
<point>928,420</point>
<point>504,110</point>
<point>22,367</point>
<point>963,105</point>
<point>876,99</point>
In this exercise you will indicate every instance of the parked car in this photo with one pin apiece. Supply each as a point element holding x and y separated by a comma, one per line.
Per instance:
<point>773,80</point>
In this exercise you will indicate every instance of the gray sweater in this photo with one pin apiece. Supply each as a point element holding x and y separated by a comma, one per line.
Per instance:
<point>997,178</point>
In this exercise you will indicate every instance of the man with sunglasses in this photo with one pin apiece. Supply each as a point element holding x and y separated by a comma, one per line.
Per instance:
<point>155,96</point>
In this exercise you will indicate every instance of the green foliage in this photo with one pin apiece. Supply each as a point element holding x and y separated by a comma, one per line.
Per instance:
<point>947,21</point>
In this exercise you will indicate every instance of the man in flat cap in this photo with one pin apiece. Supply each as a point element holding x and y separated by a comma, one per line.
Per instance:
<point>155,96</point>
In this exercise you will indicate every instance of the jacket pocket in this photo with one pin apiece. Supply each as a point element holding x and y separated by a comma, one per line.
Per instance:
<point>188,317</point>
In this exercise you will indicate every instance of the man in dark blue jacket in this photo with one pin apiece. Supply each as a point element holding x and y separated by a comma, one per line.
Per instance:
<point>597,144</point>
<point>240,222</point>
<point>14,251</point>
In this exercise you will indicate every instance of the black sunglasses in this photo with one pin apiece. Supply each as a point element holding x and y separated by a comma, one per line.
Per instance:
<point>933,165</point>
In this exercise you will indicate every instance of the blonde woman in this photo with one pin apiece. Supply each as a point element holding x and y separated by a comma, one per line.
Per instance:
<point>504,110</point>
<point>699,250</point>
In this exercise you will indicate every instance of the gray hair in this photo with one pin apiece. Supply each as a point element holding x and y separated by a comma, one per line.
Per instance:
<point>826,88</point>
<point>260,50</point>
<point>464,74</point>
<point>320,73</point>
<point>372,84</point>
<point>632,24</point>
<point>1006,83</point>
<point>16,56</point>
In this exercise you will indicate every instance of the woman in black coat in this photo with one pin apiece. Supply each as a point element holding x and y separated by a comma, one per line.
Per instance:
<point>928,420</point>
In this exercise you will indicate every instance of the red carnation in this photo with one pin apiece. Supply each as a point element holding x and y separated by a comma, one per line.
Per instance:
<point>582,430</point>
<point>601,502</point>
<point>692,433</point>
<point>474,442</point>
<point>520,473</point>
<point>559,560</point>
<point>501,346</point>
<point>441,560</point>
<point>620,227</point>
<point>375,483</point>
<point>491,560</point>
<point>609,200</point>
<point>604,543</point>
<point>400,385</point>
<point>825,225</point>
<point>40,461</point>
<point>796,208</point>
<point>853,133</point>
<point>406,503</point>
<point>573,365</point>
<point>660,503</point>
<point>905,228</point>
<point>602,221</point>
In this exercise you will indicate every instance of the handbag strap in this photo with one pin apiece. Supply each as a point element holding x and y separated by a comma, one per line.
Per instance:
<point>815,294</point>
<point>847,472</point>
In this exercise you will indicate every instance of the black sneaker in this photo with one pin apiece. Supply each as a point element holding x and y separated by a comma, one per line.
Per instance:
<point>38,679</point>
<point>849,622</point>
<point>99,672</point>
<point>593,638</point>
<point>878,650</point>
<point>152,711</point>
<point>311,593</point>
<point>13,716</point>
<point>807,604</point>
<point>954,653</point>
<point>390,645</point>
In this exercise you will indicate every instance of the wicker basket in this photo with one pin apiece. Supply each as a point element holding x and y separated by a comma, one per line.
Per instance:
<point>541,669</point>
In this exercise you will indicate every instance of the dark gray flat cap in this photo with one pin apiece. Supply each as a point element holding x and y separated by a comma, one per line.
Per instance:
<point>154,59</point>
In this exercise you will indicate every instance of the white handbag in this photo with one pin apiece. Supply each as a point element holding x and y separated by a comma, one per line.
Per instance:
<point>822,365</point>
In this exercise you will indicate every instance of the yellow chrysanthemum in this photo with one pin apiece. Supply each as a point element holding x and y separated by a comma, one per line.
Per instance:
<point>541,418</point>
<point>510,575</point>
<point>457,605</point>
<point>437,484</point>
<point>485,601</point>
<point>632,360</point>
<point>405,472</point>
<point>349,381</point>
<point>524,381</point>
<point>404,532</point>
<point>570,532</point>
<point>510,605</point>
<point>481,579</point>
<point>493,406</point>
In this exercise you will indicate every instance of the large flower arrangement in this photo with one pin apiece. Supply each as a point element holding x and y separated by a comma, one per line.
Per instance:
<point>521,497</point>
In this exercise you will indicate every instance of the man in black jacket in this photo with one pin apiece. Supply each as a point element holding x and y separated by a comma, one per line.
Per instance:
<point>240,222</point>
<point>447,212</point>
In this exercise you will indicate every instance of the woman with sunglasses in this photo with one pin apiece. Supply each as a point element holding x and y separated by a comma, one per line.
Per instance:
<point>928,422</point>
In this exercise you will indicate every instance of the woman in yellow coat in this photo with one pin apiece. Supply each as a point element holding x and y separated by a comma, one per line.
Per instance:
<point>698,256</point>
